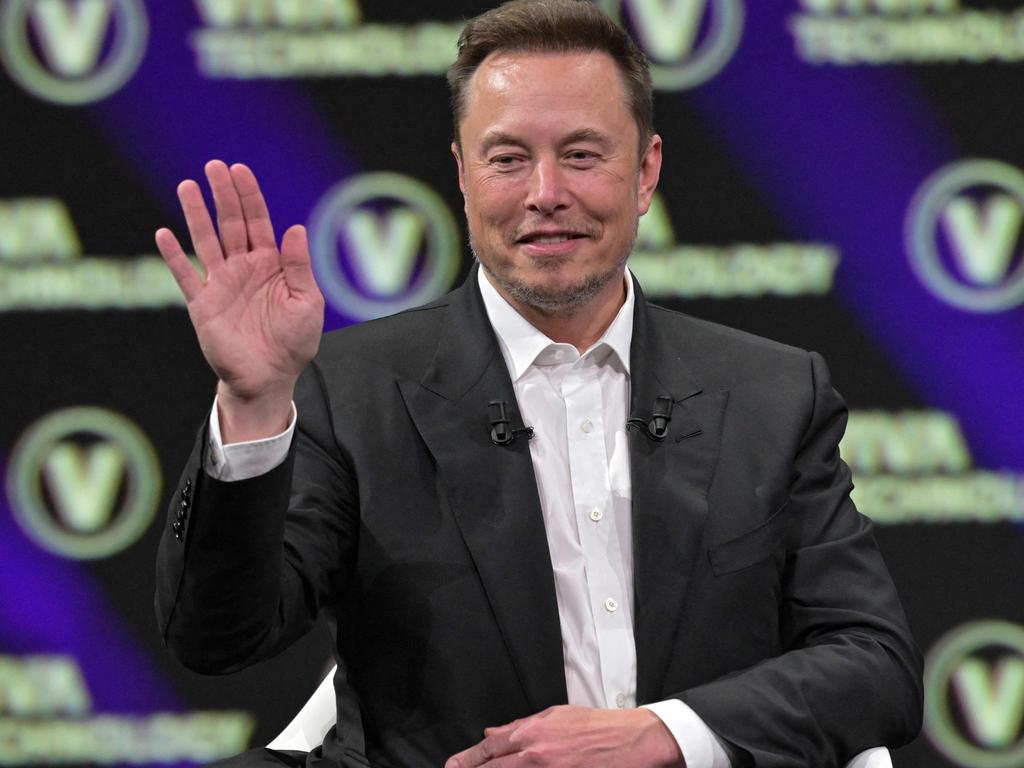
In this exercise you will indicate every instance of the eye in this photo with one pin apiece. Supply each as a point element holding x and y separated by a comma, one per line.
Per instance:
<point>581,158</point>
<point>505,162</point>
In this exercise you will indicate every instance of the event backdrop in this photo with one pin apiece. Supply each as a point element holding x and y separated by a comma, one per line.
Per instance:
<point>843,175</point>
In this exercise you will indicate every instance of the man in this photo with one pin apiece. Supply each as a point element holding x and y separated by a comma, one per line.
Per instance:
<point>538,502</point>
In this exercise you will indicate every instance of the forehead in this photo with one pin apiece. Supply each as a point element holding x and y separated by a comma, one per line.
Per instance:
<point>547,91</point>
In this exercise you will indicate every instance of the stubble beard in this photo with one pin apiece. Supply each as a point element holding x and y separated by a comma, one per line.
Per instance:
<point>555,302</point>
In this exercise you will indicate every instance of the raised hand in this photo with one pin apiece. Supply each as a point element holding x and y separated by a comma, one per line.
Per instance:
<point>258,314</point>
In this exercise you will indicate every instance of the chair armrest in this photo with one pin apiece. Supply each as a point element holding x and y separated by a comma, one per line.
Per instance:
<point>307,729</point>
<point>877,757</point>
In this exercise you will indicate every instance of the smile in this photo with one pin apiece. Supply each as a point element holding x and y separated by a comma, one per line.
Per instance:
<point>548,239</point>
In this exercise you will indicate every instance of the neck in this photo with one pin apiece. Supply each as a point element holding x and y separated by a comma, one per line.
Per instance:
<point>580,326</point>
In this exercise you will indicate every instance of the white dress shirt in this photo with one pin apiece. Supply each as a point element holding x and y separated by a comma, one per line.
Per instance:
<point>577,405</point>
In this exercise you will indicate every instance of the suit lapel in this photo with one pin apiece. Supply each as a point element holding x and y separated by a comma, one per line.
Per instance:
<point>670,480</point>
<point>492,491</point>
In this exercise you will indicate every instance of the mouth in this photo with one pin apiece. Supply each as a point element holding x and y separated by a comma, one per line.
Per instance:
<point>552,238</point>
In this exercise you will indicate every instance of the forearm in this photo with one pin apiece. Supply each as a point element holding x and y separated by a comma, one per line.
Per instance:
<point>849,673</point>
<point>814,708</point>
<point>234,597</point>
<point>255,559</point>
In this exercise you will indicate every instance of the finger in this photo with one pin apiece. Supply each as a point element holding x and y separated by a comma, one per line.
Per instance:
<point>200,226</point>
<point>502,728</point>
<point>515,760</point>
<point>181,268</point>
<point>230,221</point>
<point>254,208</point>
<point>295,261</point>
<point>484,752</point>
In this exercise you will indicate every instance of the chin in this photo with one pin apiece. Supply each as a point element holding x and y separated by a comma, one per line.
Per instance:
<point>564,296</point>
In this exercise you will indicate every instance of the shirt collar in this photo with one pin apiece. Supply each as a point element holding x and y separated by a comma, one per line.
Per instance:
<point>521,343</point>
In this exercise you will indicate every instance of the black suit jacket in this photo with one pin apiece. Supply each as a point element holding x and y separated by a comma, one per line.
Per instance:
<point>760,597</point>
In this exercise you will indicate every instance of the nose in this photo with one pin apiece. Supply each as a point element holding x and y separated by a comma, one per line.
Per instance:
<point>548,191</point>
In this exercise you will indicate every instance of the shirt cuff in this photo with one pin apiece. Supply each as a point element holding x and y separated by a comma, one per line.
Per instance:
<point>251,458</point>
<point>700,746</point>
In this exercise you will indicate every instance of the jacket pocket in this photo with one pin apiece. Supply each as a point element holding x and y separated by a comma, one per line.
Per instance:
<point>751,547</point>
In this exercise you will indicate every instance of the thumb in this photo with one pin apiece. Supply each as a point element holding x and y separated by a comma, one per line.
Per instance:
<point>295,260</point>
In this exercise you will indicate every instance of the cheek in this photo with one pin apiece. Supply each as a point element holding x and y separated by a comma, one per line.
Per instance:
<point>486,226</point>
<point>498,191</point>
<point>492,201</point>
<point>608,197</point>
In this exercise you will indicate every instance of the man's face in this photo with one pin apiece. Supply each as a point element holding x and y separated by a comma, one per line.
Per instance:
<point>551,177</point>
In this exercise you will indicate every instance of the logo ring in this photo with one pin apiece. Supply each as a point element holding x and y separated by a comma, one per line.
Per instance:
<point>922,224</point>
<point>341,201</point>
<point>709,59</point>
<point>143,481</point>
<point>23,64</point>
<point>939,667</point>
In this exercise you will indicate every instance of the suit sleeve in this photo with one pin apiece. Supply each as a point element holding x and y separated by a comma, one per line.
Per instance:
<point>246,569</point>
<point>849,675</point>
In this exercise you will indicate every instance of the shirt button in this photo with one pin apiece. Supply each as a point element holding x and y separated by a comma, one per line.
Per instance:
<point>620,700</point>
<point>587,426</point>
<point>611,605</point>
<point>596,514</point>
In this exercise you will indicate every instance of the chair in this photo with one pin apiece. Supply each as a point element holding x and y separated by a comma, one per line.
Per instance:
<point>307,730</point>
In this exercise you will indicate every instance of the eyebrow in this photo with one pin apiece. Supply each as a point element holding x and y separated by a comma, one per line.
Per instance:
<point>499,138</point>
<point>588,134</point>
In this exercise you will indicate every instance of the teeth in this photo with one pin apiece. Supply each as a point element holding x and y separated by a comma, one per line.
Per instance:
<point>553,239</point>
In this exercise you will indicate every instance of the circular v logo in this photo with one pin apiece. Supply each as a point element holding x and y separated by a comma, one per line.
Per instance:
<point>687,41</point>
<point>381,243</point>
<point>72,51</point>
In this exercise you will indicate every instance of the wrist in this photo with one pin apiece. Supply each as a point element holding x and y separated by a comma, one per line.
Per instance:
<point>658,743</point>
<point>245,417</point>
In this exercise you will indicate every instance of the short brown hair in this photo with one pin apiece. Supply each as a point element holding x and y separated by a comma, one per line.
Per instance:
<point>553,26</point>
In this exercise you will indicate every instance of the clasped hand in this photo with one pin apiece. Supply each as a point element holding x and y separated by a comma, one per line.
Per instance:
<point>575,737</point>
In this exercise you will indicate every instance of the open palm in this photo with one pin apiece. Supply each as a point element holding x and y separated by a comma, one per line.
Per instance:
<point>258,314</point>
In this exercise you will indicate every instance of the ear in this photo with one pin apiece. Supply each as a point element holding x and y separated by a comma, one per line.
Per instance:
<point>458,163</point>
<point>650,171</point>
